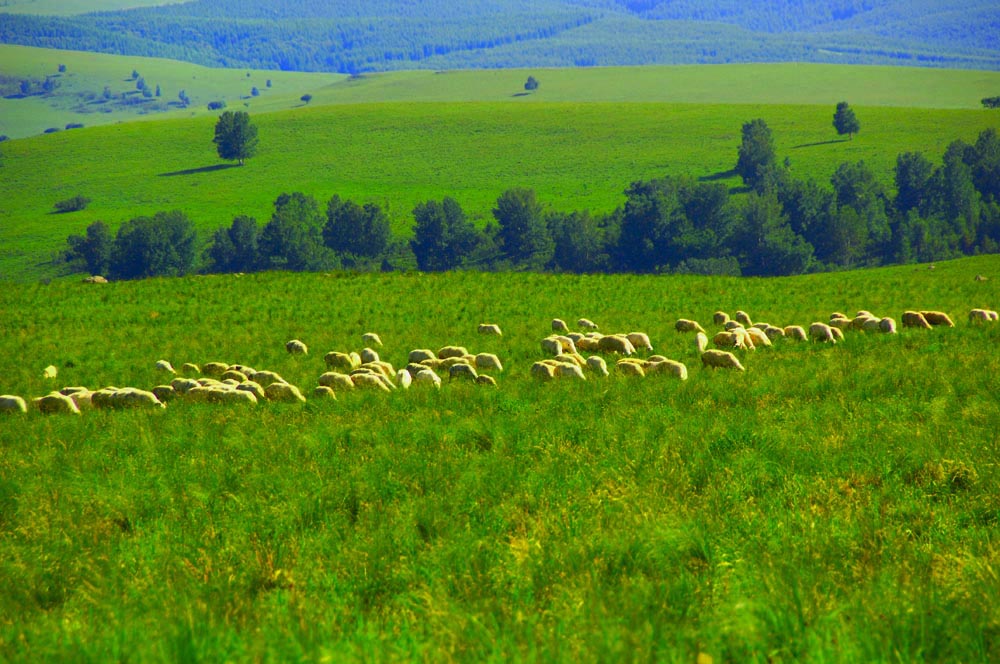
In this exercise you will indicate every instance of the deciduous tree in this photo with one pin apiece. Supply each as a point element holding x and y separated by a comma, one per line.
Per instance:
<point>235,136</point>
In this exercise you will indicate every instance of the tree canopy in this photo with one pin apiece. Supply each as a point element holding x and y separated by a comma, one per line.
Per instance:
<point>235,136</point>
<point>844,120</point>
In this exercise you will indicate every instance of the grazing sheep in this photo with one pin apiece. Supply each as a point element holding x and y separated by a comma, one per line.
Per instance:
<point>452,351</point>
<point>559,325</point>
<point>543,371</point>
<point>720,359</point>
<point>490,328</point>
<point>938,318</point>
<point>10,403</point>
<point>731,325</point>
<point>915,319</point>
<point>774,332</point>
<point>418,355</point>
<point>284,392</point>
<point>994,316</point>
<point>570,371</point>
<point>758,336</point>
<point>872,325</point>
<point>164,393</point>
<point>727,340</point>
<point>979,316</point>
<point>597,365</point>
<point>795,332</point>
<point>95,279</point>
<point>861,320</point>
<point>639,340</point>
<point>586,324</point>
<point>296,347</point>
<point>254,388</point>
<point>336,380</point>
<point>838,314</point>
<point>720,318</point>
<point>841,323</point>
<point>552,346</point>
<point>125,397</point>
<point>668,367</point>
<point>743,318</point>
<point>165,366</point>
<point>701,341</point>
<point>82,399</point>
<point>268,378</point>
<point>980,277</point>
<point>568,358</point>
<point>887,325</point>
<point>214,368</point>
<point>616,343</point>
<point>183,385</point>
<point>50,372</point>
<point>488,361</point>
<point>838,335</point>
<point>486,380</point>
<point>588,344</point>
<point>368,355</point>
<point>466,371</point>
<point>434,364</point>
<point>568,345</point>
<point>324,392</point>
<point>628,367</point>
<point>427,377</point>
<point>822,332</point>
<point>232,374</point>
<point>54,402</point>
<point>371,339</point>
<point>404,379</point>
<point>337,360</point>
<point>190,369</point>
<point>685,325</point>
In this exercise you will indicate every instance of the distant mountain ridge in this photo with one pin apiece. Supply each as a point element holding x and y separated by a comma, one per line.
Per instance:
<point>354,36</point>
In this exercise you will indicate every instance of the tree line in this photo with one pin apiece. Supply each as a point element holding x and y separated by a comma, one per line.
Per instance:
<point>676,224</point>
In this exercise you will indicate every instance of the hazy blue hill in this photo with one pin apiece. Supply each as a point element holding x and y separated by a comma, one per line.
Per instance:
<point>356,36</point>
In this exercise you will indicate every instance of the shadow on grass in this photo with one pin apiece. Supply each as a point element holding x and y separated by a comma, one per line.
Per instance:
<point>203,169</point>
<point>520,94</point>
<point>721,175</point>
<point>812,145</point>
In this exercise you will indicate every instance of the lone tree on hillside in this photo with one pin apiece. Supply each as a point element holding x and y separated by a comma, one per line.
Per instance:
<point>756,153</point>
<point>844,120</point>
<point>531,84</point>
<point>235,137</point>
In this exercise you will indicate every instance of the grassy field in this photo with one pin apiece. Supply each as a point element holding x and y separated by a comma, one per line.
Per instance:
<point>829,504</point>
<point>793,84</point>
<point>576,156</point>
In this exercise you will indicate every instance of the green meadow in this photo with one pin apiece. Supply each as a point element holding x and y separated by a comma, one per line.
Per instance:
<point>575,155</point>
<point>832,503</point>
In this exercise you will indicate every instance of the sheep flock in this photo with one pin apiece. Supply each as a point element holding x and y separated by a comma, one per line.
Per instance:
<point>582,355</point>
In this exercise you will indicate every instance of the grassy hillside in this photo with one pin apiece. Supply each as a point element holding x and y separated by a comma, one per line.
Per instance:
<point>79,97</point>
<point>576,156</point>
<point>829,504</point>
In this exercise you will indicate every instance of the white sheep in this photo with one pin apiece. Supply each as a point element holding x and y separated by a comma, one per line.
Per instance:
<point>559,325</point>
<point>254,388</point>
<point>324,392</point>
<point>629,367</point>
<point>50,372</point>
<point>552,346</point>
<point>720,318</point>
<point>336,380</point>
<point>54,402</point>
<point>165,367</point>
<point>587,344</point>
<point>720,359</point>
<point>841,323</point>
<point>570,371</point>
<point>483,379</point>
<point>427,377</point>
<point>490,328</point>
<point>543,371</point>
<point>368,355</point>
<point>190,369</point>
<point>586,324</point>
<point>669,367</point>
<point>979,316</point>
<point>822,332</point>
<point>404,379</point>
<point>164,393</point>
<point>795,332</point>
<point>616,343</point>
<point>758,336</point>
<point>597,365</point>
<point>685,325</point>
<point>371,339</point>
<point>639,340</point>
<point>10,403</point>
<point>488,361</point>
<point>296,347</point>
<point>284,392</point>
<point>337,360</point>
<point>743,318</point>
<point>183,385</point>
<point>232,374</point>
<point>938,318</point>
<point>267,378</point>
<point>418,355</point>
<point>915,319</point>
<point>887,325</point>
<point>214,368</point>
<point>452,351</point>
<point>462,370</point>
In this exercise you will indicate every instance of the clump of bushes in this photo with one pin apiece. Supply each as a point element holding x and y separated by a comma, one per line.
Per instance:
<point>74,204</point>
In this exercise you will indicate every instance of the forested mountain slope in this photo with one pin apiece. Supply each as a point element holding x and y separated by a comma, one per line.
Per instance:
<point>353,36</point>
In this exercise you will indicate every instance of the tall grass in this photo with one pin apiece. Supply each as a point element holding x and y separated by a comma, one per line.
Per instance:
<point>830,504</point>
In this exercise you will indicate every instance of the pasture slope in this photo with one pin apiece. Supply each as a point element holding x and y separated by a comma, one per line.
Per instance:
<point>575,155</point>
<point>832,503</point>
